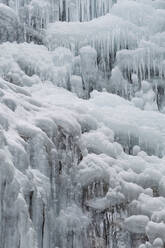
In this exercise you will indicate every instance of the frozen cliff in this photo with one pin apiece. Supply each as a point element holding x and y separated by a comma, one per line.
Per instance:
<point>82,124</point>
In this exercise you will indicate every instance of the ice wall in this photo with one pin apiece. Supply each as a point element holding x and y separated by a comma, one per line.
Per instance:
<point>75,173</point>
<point>126,39</point>
<point>66,182</point>
<point>10,28</point>
<point>81,169</point>
<point>38,13</point>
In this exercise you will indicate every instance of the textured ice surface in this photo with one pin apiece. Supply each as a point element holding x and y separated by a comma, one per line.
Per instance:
<point>82,133</point>
<point>43,178</point>
<point>39,12</point>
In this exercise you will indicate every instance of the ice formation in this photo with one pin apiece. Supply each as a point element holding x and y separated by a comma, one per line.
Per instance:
<point>82,134</point>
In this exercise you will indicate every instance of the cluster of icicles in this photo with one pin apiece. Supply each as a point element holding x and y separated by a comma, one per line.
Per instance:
<point>39,13</point>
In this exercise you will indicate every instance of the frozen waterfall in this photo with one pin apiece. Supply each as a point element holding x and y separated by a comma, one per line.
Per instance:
<point>82,123</point>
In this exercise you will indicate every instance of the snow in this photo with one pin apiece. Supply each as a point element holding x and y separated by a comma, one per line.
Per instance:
<point>158,242</point>
<point>82,134</point>
<point>136,223</point>
<point>29,60</point>
<point>155,230</point>
<point>128,43</point>
<point>62,109</point>
<point>110,29</point>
